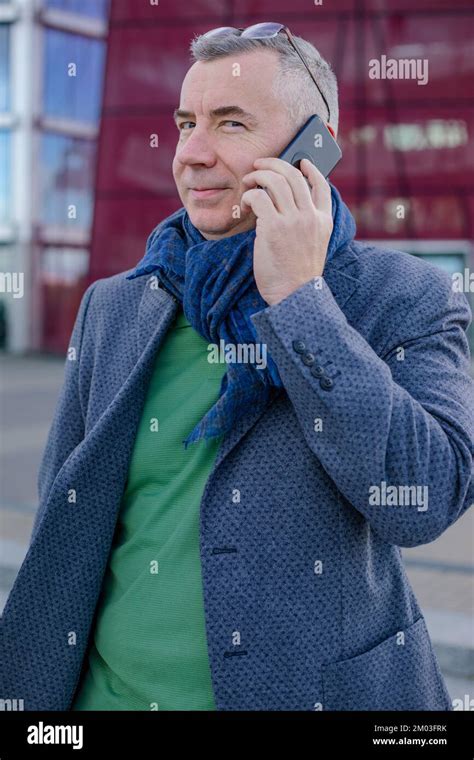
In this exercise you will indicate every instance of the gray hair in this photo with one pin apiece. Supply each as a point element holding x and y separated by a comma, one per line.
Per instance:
<point>293,82</point>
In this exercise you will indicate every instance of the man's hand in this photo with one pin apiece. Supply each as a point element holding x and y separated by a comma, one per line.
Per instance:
<point>293,228</point>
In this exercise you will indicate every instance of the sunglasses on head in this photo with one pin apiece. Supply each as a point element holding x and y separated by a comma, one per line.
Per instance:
<point>264,31</point>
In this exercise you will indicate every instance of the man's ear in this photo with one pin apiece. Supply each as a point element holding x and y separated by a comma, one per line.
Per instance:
<point>331,130</point>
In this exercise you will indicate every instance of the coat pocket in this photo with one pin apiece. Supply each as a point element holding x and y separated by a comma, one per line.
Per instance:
<point>400,673</point>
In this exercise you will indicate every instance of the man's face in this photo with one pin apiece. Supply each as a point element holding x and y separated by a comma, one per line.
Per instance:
<point>216,151</point>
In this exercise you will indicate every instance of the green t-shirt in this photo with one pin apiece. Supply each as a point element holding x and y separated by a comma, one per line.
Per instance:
<point>149,648</point>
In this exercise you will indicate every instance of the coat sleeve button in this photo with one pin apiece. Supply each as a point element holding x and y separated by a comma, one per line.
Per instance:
<point>317,370</point>
<point>299,346</point>
<point>308,358</point>
<point>326,383</point>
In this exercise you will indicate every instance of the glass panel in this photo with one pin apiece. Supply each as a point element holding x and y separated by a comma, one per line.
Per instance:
<point>121,228</point>
<point>430,48</point>
<point>66,178</point>
<point>129,163</point>
<point>284,11</point>
<point>417,147</point>
<point>215,11</point>
<point>95,8</point>
<point>7,264</point>
<point>63,265</point>
<point>63,278</point>
<point>147,63</point>
<point>5,168</point>
<point>407,217</point>
<point>73,73</point>
<point>5,67</point>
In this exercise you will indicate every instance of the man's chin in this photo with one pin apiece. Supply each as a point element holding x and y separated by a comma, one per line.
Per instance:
<point>214,224</point>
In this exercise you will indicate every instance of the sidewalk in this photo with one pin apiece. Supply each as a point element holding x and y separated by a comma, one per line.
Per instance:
<point>441,573</point>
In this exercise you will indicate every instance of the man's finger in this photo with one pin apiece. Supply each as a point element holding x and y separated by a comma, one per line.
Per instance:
<point>276,185</point>
<point>259,202</point>
<point>320,189</point>
<point>301,192</point>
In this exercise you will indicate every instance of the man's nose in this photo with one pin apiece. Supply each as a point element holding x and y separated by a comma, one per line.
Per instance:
<point>197,149</point>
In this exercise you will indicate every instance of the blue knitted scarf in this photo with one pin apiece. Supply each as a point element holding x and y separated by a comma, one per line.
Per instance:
<point>213,280</point>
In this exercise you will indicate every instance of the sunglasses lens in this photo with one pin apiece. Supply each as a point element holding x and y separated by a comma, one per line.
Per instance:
<point>221,30</point>
<point>260,31</point>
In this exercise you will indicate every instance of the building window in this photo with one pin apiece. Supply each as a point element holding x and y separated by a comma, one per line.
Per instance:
<point>72,76</point>
<point>63,266</point>
<point>5,176</point>
<point>93,8</point>
<point>67,173</point>
<point>5,104</point>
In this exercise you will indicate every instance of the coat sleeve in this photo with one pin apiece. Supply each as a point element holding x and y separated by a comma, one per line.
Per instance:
<point>67,428</point>
<point>402,419</point>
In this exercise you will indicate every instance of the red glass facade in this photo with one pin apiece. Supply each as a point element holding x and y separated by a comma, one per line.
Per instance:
<point>402,142</point>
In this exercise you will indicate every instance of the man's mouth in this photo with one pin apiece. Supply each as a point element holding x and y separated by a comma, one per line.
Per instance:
<point>206,192</point>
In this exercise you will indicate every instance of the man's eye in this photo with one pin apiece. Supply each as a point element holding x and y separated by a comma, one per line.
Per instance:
<point>227,121</point>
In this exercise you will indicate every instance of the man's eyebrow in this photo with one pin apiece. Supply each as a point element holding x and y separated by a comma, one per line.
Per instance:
<point>179,113</point>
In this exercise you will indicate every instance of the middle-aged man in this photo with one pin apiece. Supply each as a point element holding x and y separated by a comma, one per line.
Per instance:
<point>226,534</point>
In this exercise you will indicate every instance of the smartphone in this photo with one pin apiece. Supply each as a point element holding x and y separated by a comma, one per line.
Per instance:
<point>313,141</point>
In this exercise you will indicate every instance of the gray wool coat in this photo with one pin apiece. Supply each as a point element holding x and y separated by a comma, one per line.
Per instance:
<point>367,448</point>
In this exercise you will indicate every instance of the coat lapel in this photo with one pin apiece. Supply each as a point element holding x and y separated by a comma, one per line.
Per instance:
<point>54,568</point>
